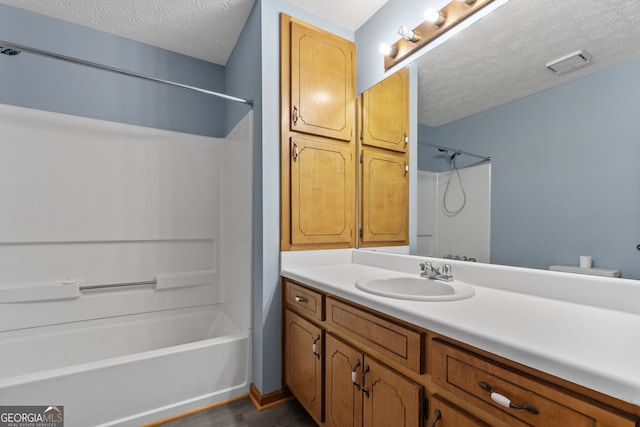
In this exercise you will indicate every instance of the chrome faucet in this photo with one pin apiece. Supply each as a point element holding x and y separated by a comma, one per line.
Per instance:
<point>428,271</point>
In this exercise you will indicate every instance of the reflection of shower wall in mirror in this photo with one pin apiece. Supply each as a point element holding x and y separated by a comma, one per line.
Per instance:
<point>466,234</point>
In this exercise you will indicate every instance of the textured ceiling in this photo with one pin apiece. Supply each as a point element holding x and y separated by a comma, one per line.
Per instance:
<point>204,29</point>
<point>502,57</point>
<point>496,60</point>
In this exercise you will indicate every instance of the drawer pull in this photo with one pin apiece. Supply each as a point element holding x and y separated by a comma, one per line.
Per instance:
<point>505,401</point>
<point>301,299</point>
<point>314,348</point>
<point>354,375</point>
<point>436,417</point>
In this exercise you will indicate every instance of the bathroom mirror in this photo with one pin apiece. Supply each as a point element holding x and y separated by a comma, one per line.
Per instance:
<point>564,147</point>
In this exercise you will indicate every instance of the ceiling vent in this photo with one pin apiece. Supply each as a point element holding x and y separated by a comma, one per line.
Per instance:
<point>569,62</point>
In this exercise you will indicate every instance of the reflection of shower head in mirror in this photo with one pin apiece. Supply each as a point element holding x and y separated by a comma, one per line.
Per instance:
<point>451,156</point>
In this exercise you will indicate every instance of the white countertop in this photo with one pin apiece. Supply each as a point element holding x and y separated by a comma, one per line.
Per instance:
<point>594,345</point>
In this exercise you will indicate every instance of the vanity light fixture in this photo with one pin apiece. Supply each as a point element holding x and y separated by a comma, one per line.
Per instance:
<point>436,22</point>
<point>408,34</point>
<point>435,17</point>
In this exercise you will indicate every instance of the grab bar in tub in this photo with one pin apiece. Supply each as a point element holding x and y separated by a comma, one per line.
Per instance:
<point>164,281</point>
<point>117,285</point>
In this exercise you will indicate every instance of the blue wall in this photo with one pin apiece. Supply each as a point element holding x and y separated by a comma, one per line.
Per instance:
<point>266,298</point>
<point>565,175</point>
<point>48,84</point>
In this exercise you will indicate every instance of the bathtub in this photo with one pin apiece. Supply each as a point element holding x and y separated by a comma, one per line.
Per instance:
<point>127,370</point>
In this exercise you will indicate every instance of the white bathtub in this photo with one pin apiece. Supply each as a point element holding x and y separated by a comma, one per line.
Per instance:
<point>128,370</point>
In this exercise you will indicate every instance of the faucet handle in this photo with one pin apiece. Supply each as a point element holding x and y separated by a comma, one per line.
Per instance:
<point>446,270</point>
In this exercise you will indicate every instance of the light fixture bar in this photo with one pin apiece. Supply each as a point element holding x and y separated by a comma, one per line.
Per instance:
<point>453,13</point>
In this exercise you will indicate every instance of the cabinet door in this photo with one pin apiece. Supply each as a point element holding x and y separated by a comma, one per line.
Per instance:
<point>385,197</point>
<point>343,397</point>
<point>303,363</point>
<point>390,400</point>
<point>444,414</point>
<point>385,113</point>
<point>322,192</point>
<point>322,83</point>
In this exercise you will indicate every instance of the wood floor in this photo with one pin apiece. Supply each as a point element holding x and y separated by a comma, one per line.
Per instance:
<point>243,413</point>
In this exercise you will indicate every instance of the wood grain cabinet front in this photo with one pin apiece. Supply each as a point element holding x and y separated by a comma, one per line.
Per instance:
<point>303,363</point>
<point>385,113</point>
<point>322,192</point>
<point>322,83</point>
<point>304,301</point>
<point>513,397</point>
<point>317,138</point>
<point>384,194</point>
<point>391,340</point>
<point>444,414</point>
<point>363,392</point>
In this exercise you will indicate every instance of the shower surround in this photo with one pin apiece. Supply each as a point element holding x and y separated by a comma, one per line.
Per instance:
<point>89,202</point>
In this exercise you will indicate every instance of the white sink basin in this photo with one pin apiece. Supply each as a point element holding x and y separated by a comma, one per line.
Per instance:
<point>415,288</point>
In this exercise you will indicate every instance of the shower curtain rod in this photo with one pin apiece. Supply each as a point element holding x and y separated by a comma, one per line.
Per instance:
<point>487,158</point>
<point>18,48</point>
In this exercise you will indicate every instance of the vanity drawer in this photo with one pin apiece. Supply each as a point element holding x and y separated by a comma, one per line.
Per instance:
<point>390,339</point>
<point>304,300</point>
<point>473,378</point>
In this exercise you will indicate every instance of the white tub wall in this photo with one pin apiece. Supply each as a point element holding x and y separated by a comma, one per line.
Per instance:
<point>427,213</point>
<point>105,202</point>
<point>236,219</point>
<point>465,234</point>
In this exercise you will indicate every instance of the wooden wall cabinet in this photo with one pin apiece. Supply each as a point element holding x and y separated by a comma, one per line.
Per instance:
<point>384,163</point>
<point>384,198</point>
<point>318,138</point>
<point>385,113</point>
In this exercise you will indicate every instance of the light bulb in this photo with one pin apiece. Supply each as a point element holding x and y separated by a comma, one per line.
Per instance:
<point>434,17</point>
<point>387,50</point>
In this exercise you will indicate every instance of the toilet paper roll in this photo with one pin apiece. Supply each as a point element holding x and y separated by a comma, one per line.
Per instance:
<point>585,261</point>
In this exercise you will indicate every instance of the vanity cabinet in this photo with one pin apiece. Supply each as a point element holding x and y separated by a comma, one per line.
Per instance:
<point>444,414</point>
<point>511,396</point>
<point>348,352</point>
<point>303,367</point>
<point>383,175</point>
<point>303,347</point>
<point>349,365</point>
<point>318,138</point>
<point>363,392</point>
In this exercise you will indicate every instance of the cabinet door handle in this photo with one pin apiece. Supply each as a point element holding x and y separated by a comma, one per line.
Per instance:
<point>406,168</point>
<point>314,348</point>
<point>295,115</point>
<point>364,384</point>
<point>436,417</point>
<point>505,401</point>
<point>354,374</point>
<point>295,151</point>
<point>300,299</point>
<point>406,140</point>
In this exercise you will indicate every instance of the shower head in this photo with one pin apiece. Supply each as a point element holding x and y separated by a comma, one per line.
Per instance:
<point>451,156</point>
